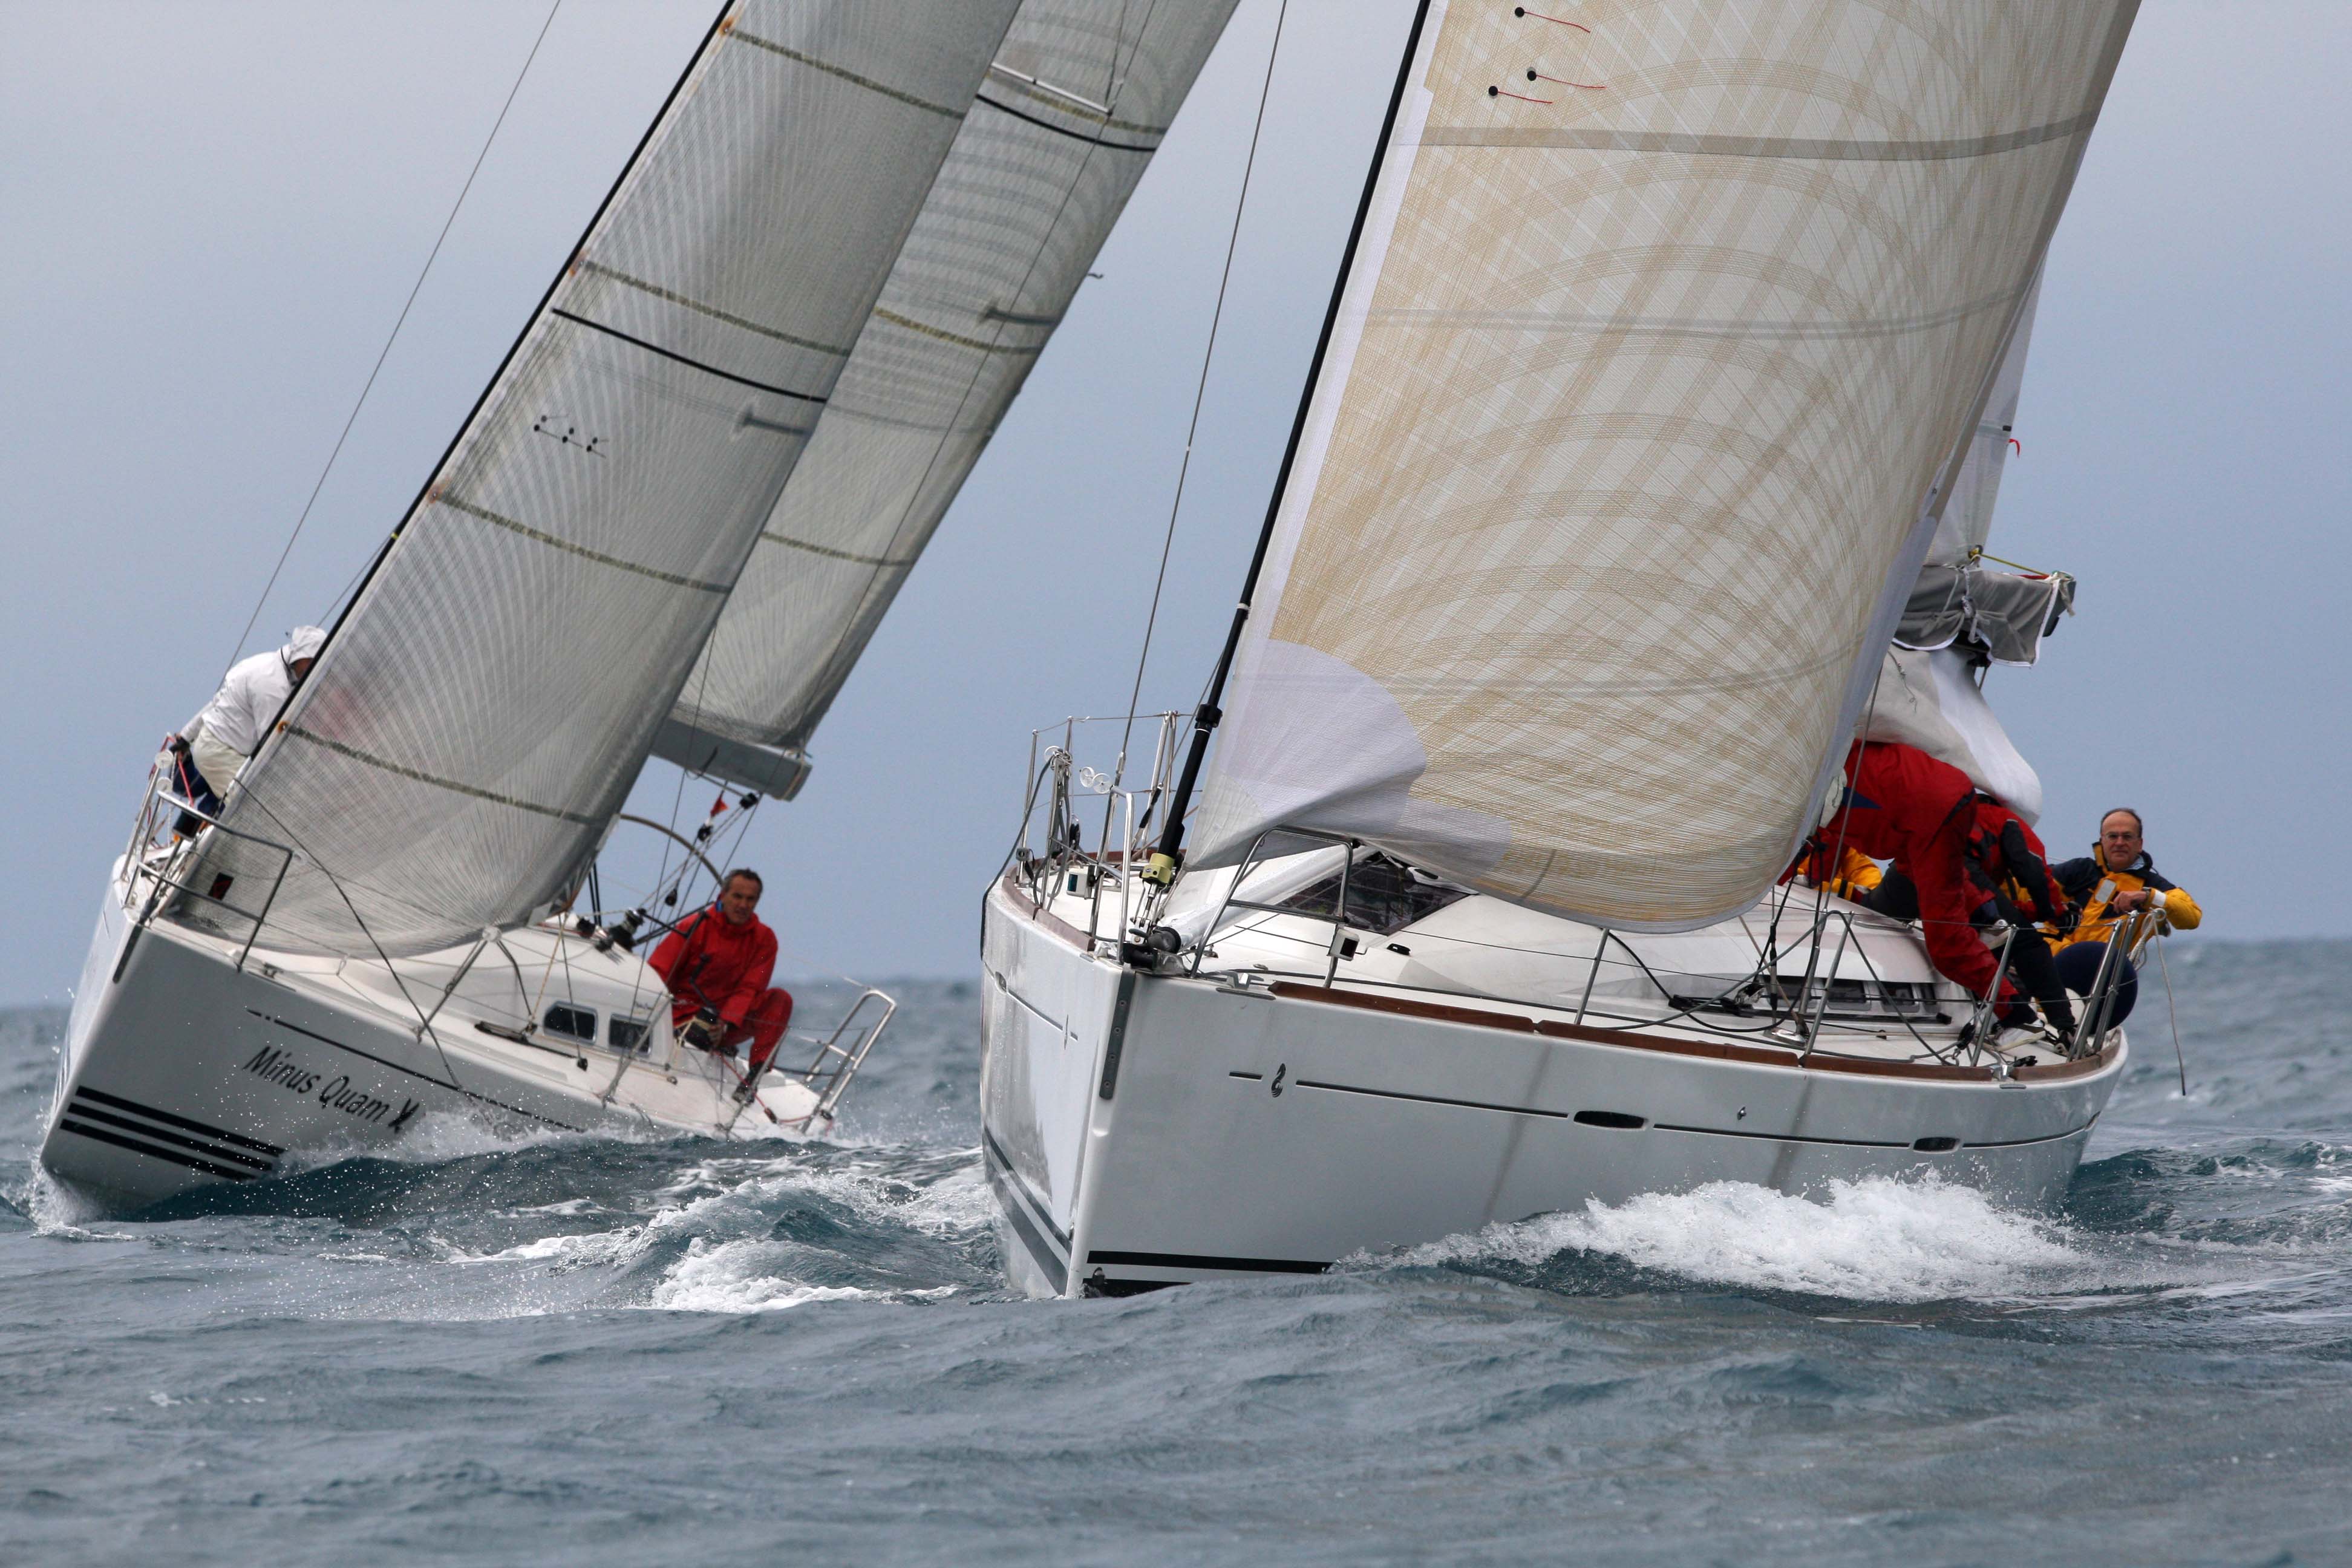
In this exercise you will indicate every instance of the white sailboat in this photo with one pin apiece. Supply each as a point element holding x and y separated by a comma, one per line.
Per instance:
<point>1645,463</point>
<point>667,528</point>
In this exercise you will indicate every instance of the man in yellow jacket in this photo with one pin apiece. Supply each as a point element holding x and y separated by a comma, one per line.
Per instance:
<point>2116,879</point>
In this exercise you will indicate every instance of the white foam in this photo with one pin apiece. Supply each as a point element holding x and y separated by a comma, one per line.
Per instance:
<point>1876,1239</point>
<point>728,1277</point>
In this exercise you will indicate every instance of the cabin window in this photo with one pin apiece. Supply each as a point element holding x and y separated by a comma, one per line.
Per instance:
<point>629,1035</point>
<point>1384,896</point>
<point>571,1022</point>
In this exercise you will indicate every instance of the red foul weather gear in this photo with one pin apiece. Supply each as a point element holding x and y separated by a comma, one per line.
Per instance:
<point>706,963</point>
<point>1963,850</point>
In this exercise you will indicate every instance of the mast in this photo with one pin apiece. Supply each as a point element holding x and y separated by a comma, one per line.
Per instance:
<point>1169,855</point>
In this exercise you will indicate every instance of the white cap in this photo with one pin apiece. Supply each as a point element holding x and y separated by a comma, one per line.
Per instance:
<point>302,643</point>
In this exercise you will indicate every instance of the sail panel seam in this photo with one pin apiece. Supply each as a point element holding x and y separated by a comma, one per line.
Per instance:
<point>835,554</point>
<point>1828,149</point>
<point>941,333</point>
<point>355,754</point>
<point>672,578</point>
<point>713,311</point>
<point>1655,326</point>
<point>686,359</point>
<point>866,82</point>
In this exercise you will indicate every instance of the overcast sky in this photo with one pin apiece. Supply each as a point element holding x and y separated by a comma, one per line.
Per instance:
<point>214,212</point>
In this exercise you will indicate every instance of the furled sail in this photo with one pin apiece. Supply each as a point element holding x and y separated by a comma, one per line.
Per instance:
<point>1066,122</point>
<point>477,719</point>
<point>1661,319</point>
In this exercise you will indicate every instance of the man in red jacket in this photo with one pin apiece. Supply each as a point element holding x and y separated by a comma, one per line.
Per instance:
<point>717,966</point>
<point>1966,854</point>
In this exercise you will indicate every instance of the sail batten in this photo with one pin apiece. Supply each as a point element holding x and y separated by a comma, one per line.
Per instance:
<point>480,714</point>
<point>1609,490</point>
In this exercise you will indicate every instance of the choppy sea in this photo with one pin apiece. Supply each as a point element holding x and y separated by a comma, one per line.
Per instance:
<point>594,1350</point>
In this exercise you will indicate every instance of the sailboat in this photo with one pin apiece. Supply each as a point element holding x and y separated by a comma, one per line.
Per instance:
<point>667,528</point>
<point>1645,465</point>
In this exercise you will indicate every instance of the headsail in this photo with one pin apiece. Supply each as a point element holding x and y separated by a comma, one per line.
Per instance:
<point>480,714</point>
<point>1663,320</point>
<point>1066,124</point>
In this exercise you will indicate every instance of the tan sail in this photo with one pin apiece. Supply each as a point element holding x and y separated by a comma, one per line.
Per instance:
<point>1664,319</point>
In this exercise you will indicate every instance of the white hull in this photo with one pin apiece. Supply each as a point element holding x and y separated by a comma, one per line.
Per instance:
<point>184,1067</point>
<point>1142,1129</point>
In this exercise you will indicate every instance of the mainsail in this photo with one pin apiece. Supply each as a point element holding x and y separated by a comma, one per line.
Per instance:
<point>1661,321</point>
<point>478,717</point>
<point>1066,124</point>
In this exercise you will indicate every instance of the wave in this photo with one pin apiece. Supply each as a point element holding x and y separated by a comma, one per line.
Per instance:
<point>1874,1240</point>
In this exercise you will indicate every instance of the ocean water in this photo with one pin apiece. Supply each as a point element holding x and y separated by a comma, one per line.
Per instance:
<point>594,1350</point>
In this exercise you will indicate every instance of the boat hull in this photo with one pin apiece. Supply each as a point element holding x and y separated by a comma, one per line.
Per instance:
<point>184,1068</point>
<point>1144,1129</point>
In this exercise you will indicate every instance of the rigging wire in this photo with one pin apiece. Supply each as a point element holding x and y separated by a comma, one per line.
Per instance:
<point>405,307</point>
<point>1199,394</point>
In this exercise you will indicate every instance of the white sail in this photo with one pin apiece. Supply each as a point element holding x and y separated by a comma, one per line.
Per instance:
<point>479,716</point>
<point>1064,126</point>
<point>1663,320</point>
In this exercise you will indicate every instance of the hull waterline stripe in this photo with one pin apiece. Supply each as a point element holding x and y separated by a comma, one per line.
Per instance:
<point>538,536</point>
<point>685,360</point>
<point>1044,1217</point>
<point>1013,1202</point>
<point>1828,149</point>
<point>133,1106</point>
<point>162,1135</point>
<point>1199,1261</point>
<point>226,1173</point>
<point>424,1076</point>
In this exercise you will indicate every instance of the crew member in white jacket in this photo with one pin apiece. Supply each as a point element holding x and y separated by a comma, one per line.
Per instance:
<point>210,748</point>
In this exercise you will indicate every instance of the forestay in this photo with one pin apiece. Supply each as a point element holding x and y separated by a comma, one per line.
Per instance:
<point>1662,321</point>
<point>1064,126</point>
<point>477,719</point>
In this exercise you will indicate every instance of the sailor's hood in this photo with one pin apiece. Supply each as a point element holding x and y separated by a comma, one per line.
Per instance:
<point>302,643</point>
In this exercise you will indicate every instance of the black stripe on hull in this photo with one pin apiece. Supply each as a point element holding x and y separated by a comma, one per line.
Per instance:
<point>90,1113</point>
<point>1014,1201</point>
<point>1196,1260</point>
<point>218,1134</point>
<point>226,1173</point>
